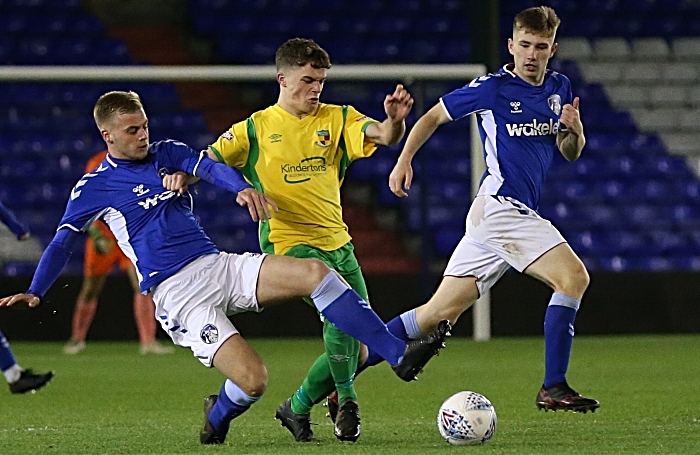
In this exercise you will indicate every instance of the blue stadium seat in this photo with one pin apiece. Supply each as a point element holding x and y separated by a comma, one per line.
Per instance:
<point>395,26</point>
<point>654,191</point>
<point>649,144</point>
<point>644,216</point>
<point>665,242</point>
<point>589,243</point>
<point>683,215</point>
<point>446,241</point>
<point>603,216</point>
<point>13,24</point>
<point>420,51</point>
<point>565,216</point>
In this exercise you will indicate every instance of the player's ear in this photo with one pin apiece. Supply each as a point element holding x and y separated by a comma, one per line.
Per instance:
<point>510,46</point>
<point>281,80</point>
<point>555,46</point>
<point>106,136</point>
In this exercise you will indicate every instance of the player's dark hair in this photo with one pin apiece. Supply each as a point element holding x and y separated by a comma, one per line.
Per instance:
<point>299,52</point>
<point>112,103</point>
<point>538,20</point>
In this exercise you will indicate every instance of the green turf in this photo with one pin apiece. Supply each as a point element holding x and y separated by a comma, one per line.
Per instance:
<point>109,399</point>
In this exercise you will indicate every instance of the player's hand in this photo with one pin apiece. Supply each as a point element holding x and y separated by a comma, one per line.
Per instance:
<point>399,104</point>
<point>24,237</point>
<point>400,178</point>
<point>258,204</point>
<point>103,245</point>
<point>176,182</point>
<point>571,118</point>
<point>30,299</point>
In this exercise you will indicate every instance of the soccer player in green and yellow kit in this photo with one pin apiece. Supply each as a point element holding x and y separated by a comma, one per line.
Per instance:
<point>297,152</point>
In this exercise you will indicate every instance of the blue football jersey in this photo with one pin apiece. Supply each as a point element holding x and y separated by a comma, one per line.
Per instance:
<point>154,227</point>
<point>518,123</point>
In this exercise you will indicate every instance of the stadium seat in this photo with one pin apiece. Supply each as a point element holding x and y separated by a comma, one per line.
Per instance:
<point>686,48</point>
<point>447,240</point>
<point>653,49</point>
<point>611,49</point>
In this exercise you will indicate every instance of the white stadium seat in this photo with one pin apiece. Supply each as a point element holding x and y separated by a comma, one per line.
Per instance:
<point>627,96</point>
<point>685,49</point>
<point>668,96</point>
<point>601,72</point>
<point>577,48</point>
<point>608,49</point>
<point>655,49</point>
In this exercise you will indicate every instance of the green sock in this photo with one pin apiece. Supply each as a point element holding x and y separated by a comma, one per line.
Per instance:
<point>342,351</point>
<point>317,386</point>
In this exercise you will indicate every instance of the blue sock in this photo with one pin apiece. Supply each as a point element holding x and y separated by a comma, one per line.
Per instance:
<point>7,359</point>
<point>397,328</point>
<point>351,314</point>
<point>231,403</point>
<point>558,337</point>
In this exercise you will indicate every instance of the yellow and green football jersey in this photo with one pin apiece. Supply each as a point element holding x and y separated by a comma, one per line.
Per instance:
<point>300,164</point>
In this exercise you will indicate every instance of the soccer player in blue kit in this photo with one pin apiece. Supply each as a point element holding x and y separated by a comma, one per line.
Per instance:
<point>525,113</point>
<point>195,286</point>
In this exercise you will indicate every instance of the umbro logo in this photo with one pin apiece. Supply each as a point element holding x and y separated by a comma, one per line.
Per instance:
<point>140,191</point>
<point>276,138</point>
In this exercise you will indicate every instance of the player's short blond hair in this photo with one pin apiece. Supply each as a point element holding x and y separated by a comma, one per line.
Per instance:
<point>538,20</point>
<point>112,103</point>
<point>298,52</point>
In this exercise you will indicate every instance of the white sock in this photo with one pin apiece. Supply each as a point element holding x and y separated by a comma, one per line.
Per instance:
<point>13,373</point>
<point>410,323</point>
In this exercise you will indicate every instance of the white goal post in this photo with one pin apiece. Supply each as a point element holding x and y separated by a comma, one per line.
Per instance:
<point>407,74</point>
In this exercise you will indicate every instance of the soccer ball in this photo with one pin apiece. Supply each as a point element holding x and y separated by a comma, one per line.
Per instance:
<point>467,418</point>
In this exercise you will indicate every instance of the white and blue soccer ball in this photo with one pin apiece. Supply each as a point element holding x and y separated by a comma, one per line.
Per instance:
<point>467,418</point>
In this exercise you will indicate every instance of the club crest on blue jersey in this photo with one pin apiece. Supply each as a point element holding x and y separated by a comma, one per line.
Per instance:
<point>554,102</point>
<point>209,334</point>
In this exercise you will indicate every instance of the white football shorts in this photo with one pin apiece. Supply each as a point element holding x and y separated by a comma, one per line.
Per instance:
<point>500,233</point>
<point>192,306</point>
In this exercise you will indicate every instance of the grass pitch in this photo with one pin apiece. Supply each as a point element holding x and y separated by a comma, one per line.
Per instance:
<point>111,400</point>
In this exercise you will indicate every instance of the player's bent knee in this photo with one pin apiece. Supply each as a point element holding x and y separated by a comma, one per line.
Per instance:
<point>315,271</point>
<point>253,383</point>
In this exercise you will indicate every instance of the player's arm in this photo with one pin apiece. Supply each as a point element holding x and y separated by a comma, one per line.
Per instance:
<point>53,260</point>
<point>397,107</point>
<point>16,226</point>
<point>232,180</point>
<point>402,174</point>
<point>571,140</point>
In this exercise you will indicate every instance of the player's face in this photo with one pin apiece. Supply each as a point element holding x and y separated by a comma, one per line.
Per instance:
<point>127,136</point>
<point>301,87</point>
<point>531,54</point>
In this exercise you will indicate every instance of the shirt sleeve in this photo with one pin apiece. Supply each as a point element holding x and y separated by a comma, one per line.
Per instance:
<point>473,97</point>
<point>233,147</point>
<point>85,205</point>
<point>179,156</point>
<point>354,134</point>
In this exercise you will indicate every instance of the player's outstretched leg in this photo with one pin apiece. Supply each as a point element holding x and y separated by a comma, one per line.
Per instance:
<point>418,352</point>
<point>298,424</point>
<point>561,396</point>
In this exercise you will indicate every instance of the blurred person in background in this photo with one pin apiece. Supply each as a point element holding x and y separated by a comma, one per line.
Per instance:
<point>20,380</point>
<point>101,256</point>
